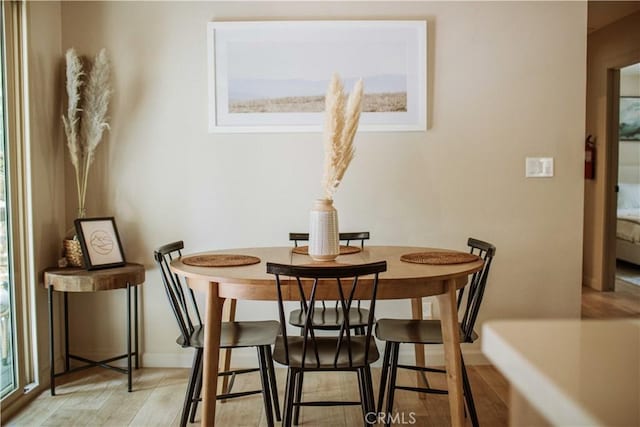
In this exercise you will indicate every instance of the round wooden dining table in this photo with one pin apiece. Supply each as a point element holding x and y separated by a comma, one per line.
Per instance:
<point>402,280</point>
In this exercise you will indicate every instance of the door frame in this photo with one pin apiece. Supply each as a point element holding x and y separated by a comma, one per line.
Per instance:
<point>611,149</point>
<point>611,180</point>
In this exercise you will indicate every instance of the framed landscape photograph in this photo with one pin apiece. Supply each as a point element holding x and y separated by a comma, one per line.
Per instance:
<point>100,242</point>
<point>629,129</point>
<point>272,76</point>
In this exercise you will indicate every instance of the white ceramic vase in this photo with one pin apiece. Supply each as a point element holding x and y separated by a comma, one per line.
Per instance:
<point>323,231</point>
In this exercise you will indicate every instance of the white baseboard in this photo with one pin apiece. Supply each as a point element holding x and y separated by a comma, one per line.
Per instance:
<point>166,360</point>
<point>435,356</point>
<point>240,358</point>
<point>247,358</point>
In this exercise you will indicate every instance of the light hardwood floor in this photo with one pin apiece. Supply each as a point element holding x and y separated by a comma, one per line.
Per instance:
<point>624,302</point>
<point>99,398</point>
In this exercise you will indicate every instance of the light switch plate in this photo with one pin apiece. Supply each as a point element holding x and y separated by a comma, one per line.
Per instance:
<point>539,167</point>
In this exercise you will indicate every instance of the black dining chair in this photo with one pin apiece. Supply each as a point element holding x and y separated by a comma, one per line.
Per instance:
<point>259,334</point>
<point>406,331</point>
<point>311,353</point>
<point>343,237</point>
<point>330,318</point>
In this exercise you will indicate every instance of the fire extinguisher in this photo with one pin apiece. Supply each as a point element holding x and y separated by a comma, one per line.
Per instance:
<point>589,158</point>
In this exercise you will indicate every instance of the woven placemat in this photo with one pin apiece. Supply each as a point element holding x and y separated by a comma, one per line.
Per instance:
<point>439,258</point>
<point>220,260</point>
<point>344,250</point>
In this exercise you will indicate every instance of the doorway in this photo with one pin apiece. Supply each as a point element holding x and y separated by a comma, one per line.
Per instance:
<point>627,230</point>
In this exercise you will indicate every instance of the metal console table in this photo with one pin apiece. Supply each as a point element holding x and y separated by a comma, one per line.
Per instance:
<point>67,280</point>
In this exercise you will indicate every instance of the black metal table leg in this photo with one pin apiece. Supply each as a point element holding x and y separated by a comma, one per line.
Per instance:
<point>66,332</point>
<point>135,325</point>
<point>129,335</point>
<point>51,356</point>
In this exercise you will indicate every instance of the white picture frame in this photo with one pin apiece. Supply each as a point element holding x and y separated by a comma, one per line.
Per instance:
<point>271,76</point>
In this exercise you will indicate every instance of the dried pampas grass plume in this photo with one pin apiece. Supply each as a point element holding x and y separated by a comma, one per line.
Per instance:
<point>94,115</point>
<point>84,133</point>
<point>340,128</point>
<point>71,121</point>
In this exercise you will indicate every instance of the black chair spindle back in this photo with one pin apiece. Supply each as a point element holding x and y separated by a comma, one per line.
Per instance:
<point>486,252</point>
<point>343,237</point>
<point>180,299</point>
<point>327,276</point>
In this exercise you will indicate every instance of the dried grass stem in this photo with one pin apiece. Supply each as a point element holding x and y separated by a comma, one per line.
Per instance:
<point>84,133</point>
<point>340,128</point>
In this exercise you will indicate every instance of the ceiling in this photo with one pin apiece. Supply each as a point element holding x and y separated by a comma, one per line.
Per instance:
<point>603,13</point>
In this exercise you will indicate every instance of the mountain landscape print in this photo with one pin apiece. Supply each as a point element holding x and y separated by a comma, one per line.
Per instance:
<point>382,93</point>
<point>272,76</point>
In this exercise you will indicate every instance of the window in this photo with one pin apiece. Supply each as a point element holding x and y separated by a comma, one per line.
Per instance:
<point>7,307</point>
<point>17,373</point>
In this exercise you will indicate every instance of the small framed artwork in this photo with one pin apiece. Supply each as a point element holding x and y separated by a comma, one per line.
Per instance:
<point>272,76</point>
<point>629,129</point>
<point>100,243</point>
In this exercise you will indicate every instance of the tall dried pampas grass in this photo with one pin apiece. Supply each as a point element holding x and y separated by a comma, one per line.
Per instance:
<point>84,133</point>
<point>340,127</point>
<point>71,121</point>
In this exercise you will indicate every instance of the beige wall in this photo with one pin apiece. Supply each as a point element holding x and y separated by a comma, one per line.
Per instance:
<point>506,81</point>
<point>614,46</point>
<point>47,153</point>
